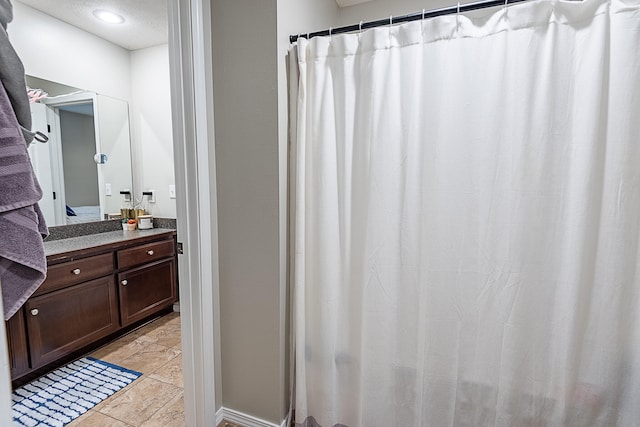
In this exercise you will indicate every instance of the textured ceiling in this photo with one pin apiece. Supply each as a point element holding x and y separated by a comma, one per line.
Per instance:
<point>145,23</point>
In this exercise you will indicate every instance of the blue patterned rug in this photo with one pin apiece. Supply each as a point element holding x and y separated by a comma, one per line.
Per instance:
<point>63,395</point>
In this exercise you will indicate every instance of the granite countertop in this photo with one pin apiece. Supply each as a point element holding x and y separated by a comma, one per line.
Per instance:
<point>57,247</point>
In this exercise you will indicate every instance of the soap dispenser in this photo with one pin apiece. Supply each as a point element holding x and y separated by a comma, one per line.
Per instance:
<point>145,222</point>
<point>126,209</point>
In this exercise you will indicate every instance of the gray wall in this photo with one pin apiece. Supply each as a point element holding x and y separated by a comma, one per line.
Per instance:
<point>249,47</point>
<point>246,127</point>
<point>78,149</point>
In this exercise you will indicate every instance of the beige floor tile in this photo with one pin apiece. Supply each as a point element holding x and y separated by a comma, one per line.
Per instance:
<point>140,402</point>
<point>170,321</point>
<point>117,351</point>
<point>115,396</point>
<point>166,335</point>
<point>149,358</point>
<point>172,415</point>
<point>171,372</point>
<point>173,318</point>
<point>96,419</point>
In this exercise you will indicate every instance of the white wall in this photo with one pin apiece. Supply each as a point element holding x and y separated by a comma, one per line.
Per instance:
<point>150,115</point>
<point>381,9</point>
<point>5,376</point>
<point>53,50</point>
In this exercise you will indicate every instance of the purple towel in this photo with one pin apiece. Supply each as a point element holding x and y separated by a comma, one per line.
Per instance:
<point>23,264</point>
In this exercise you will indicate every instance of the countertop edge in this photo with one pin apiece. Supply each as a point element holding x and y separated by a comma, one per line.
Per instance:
<point>68,249</point>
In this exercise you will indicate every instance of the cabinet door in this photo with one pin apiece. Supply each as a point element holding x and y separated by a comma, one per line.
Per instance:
<point>63,321</point>
<point>145,290</point>
<point>17,343</point>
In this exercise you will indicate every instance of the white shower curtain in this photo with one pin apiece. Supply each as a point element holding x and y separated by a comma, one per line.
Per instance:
<point>467,221</point>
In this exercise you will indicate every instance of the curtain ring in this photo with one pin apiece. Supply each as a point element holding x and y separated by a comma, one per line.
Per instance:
<point>330,31</point>
<point>360,26</point>
<point>391,20</point>
<point>458,12</point>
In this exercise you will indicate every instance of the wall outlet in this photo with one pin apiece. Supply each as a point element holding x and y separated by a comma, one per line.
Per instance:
<point>107,189</point>
<point>172,191</point>
<point>152,197</point>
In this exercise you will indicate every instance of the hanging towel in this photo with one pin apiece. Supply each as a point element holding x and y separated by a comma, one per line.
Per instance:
<point>12,74</point>
<point>23,264</point>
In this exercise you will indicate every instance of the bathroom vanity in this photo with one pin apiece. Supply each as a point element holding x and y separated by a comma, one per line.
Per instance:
<point>98,287</point>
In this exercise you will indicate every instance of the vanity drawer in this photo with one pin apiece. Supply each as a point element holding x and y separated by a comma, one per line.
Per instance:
<point>145,253</point>
<point>62,275</point>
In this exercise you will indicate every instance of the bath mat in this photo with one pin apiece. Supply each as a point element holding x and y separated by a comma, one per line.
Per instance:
<point>63,395</point>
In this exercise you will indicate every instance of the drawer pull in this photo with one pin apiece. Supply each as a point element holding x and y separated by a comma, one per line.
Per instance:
<point>150,252</point>
<point>34,312</point>
<point>124,282</point>
<point>76,271</point>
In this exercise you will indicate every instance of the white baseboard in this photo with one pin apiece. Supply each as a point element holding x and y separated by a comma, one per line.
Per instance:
<point>219,417</point>
<point>244,420</point>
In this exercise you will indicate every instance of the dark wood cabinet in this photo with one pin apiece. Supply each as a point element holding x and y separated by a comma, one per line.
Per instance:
<point>144,289</point>
<point>68,319</point>
<point>89,296</point>
<point>76,271</point>
<point>17,343</point>
<point>145,254</point>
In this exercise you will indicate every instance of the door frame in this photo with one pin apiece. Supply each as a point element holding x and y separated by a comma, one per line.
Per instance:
<point>190,62</point>
<point>190,58</point>
<point>53,116</point>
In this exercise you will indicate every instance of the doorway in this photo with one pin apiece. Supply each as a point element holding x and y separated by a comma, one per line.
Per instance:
<point>192,106</point>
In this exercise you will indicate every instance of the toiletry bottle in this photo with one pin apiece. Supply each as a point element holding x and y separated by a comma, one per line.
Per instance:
<point>126,208</point>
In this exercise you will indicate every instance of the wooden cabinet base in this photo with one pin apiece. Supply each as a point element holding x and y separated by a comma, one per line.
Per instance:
<point>90,299</point>
<point>66,320</point>
<point>17,343</point>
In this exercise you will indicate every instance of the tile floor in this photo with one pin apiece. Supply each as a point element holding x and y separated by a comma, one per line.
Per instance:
<point>154,399</point>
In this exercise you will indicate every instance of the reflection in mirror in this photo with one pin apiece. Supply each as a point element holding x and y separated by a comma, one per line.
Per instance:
<point>82,127</point>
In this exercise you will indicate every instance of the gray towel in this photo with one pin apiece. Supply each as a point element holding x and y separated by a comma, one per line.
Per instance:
<point>23,264</point>
<point>12,73</point>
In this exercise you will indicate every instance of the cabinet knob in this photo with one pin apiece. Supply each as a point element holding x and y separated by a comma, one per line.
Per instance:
<point>150,252</point>
<point>124,283</point>
<point>34,312</point>
<point>76,271</point>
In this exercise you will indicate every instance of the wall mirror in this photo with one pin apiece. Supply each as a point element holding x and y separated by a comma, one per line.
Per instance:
<point>87,161</point>
<point>117,75</point>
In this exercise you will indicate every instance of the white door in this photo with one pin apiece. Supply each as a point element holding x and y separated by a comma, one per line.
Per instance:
<point>40,154</point>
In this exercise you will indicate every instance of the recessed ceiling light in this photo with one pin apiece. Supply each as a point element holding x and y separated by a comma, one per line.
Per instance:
<point>106,16</point>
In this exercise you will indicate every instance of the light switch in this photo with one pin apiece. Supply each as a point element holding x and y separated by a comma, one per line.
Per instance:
<point>107,189</point>
<point>172,191</point>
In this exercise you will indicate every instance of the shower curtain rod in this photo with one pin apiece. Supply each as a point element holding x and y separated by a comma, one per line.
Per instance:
<point>459,8</point>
